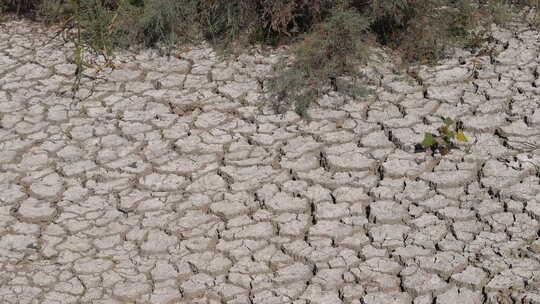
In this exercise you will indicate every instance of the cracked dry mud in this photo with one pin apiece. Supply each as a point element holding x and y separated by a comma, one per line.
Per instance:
<point>168,184</point>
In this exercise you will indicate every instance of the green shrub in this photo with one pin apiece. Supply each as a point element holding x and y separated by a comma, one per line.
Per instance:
<point>97,20</point>
<point>157,21</point>
<point>152,21</point>
<point>420,29</point>
<point>463,19</point>
<point>330,51</point>
<point>224,21</point>
<point>260,21</point>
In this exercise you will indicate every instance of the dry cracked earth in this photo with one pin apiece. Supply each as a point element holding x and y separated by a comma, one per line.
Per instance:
<point>164,181</point>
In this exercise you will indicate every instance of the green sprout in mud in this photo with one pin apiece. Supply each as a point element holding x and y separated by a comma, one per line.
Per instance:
<point>444,141</point>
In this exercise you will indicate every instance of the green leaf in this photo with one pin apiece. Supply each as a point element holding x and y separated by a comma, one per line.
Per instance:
<point>461,136</point>
<point>429,140</point>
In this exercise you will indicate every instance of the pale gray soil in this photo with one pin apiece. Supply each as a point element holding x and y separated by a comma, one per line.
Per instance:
<point>165,183</point>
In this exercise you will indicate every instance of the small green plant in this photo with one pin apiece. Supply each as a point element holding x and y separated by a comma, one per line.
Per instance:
<point>442,142</point>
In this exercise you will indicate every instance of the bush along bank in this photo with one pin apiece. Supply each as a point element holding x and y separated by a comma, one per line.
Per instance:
<point>328,37</point>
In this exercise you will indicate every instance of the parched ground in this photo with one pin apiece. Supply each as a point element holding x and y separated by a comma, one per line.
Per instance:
<point>165,182</point>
